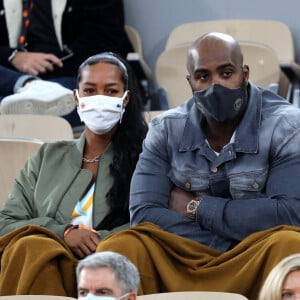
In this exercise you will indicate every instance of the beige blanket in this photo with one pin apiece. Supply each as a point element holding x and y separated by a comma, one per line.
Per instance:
<point>36,261</point>
<point>168,262</point>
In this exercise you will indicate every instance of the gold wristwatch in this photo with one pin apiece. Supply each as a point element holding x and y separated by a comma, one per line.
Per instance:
<point>191,207</point>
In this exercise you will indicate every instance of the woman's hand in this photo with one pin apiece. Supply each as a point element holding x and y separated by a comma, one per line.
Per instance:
<point>82,242</point>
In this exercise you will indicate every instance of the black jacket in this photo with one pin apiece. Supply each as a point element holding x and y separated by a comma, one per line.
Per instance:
<point>88,27</point>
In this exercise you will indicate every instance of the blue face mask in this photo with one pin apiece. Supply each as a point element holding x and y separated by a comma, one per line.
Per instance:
<point>94,297</point>
<point>219,103</point>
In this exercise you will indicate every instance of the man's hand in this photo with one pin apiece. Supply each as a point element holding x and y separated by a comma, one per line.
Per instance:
<point>35,63</point>
<point>179,199</point>
<point>82,242</point>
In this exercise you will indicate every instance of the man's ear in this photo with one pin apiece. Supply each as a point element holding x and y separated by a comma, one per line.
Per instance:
<point>132,296</point>
<point>246,72</point>
<point>188,78</point>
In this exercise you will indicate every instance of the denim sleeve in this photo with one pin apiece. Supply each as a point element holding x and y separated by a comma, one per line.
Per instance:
<point>280,203</point>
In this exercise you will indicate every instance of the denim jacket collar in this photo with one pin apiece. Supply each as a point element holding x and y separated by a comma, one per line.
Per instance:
<point>246,139</point>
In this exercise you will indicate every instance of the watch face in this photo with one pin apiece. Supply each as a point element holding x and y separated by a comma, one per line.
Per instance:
<point>192,206</point>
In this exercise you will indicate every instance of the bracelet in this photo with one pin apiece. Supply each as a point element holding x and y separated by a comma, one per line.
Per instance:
<point>13,55</point>
<point>80,226</point>
<point>69,229</point>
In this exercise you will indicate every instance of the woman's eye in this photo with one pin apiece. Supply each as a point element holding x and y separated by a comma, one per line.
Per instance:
<point>111,92</point>
<point>287,295</point>
<point>88,91</point>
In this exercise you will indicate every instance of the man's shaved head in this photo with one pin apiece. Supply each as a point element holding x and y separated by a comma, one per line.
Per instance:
<point>215,46</point>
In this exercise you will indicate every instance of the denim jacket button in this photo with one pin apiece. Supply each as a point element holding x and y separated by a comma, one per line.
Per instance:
<point>255,185</point>
<point>214,170</point>
<point>187,185</point>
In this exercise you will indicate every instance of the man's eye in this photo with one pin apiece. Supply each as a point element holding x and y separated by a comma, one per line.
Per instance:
<point>103,293</point>
<point>201,77</point>
<point>227,74</point>
<point>82,293</point>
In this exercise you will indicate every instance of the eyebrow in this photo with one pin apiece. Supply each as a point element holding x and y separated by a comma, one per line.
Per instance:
<point>112,84</point>
<point>108,84</point>
<point>99,290</point>
<point>226,65</point>
<point>105,290</point>
<point>220,67</point>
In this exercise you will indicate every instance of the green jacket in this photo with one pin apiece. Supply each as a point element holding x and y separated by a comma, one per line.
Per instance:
<point>51,183</point>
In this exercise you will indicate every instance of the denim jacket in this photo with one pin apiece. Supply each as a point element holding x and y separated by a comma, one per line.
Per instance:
<point>252,185</point>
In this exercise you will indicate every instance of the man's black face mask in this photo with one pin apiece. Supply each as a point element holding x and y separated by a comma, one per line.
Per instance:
<point>219,103</point>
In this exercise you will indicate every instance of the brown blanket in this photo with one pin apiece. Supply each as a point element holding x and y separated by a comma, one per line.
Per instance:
<point>36,261</point>
<point>168,262</point>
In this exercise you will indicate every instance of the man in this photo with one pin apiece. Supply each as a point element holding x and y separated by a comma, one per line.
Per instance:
<point>56,37</point>
<point>107,276</point>
<point>218,177</point>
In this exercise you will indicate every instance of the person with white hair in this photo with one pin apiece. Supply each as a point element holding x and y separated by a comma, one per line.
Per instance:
<point>107,276</point>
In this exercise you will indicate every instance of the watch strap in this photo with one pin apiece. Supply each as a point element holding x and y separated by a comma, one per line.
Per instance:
<point>13,55</point>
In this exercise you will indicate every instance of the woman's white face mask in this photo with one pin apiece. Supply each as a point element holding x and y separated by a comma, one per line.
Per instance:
<point>100,113</point>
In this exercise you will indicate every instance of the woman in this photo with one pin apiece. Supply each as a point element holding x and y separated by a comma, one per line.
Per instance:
<point>283,282</point>
<point>71,194</point>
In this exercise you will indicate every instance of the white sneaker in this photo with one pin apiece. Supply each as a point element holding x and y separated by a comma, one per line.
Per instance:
<point>39,97</point>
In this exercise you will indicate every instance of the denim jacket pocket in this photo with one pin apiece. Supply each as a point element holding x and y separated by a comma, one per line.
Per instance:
<point>189,180</point>
<point>248,184</point>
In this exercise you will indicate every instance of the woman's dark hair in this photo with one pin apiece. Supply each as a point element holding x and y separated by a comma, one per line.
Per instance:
<point>127,141</point>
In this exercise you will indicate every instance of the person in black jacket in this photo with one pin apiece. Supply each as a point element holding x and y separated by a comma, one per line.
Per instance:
<point>59,35</point>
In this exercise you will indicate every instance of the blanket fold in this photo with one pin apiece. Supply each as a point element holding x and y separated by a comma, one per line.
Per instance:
<point>168,262</point>
<point>36,261</point>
